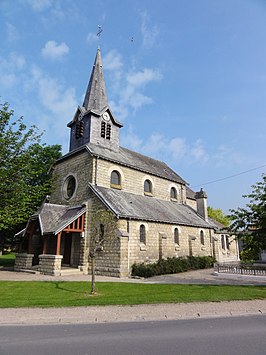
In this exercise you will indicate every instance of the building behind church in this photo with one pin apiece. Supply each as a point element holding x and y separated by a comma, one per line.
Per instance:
<point>158,215</point>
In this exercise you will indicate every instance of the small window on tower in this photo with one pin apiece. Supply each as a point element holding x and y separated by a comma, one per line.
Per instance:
<point>108,131</point>
<point>103,126</point>
<point>79,129</point>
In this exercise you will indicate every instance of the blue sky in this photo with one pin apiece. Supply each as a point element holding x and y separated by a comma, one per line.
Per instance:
<point>186,78</point>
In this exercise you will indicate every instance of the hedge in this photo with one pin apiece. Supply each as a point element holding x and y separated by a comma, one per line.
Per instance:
<point>172,266</point>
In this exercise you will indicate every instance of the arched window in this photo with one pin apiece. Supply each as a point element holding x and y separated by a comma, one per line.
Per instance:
<point>101,232</point>
<point>115,179</point>
<point>202,238</point>
<point>176,236</point>
<point>227,243</point>
<point>222,242</point>
<point>142,234</point>
<point>173,193</point>
<point>147,187</point>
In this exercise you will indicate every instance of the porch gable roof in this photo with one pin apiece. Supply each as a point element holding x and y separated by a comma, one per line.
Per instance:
<point>54,218</point>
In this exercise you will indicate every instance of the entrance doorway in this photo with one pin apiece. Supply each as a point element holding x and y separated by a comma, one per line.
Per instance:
<point>67,248</point>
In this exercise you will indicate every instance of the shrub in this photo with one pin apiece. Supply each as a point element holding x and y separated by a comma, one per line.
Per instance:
<point>172,266</point>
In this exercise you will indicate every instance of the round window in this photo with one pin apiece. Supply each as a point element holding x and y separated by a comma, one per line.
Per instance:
<point>69,187</point>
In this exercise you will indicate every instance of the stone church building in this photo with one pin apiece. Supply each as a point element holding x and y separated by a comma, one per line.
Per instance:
<point>158,215</point>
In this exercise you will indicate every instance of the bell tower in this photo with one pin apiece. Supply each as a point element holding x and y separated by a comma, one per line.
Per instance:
<point>94,121</point>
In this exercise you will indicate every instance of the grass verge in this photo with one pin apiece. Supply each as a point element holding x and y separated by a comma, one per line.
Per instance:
<point>69,294</point>
<point>7,260</point>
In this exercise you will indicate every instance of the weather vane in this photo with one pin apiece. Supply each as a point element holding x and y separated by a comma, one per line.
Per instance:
<point>100,29</point>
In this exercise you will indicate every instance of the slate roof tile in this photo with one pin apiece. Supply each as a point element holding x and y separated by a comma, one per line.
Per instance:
<point>128,205</point>
<point>54,218</point>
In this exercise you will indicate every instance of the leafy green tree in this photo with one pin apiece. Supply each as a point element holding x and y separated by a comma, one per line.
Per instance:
<point>103,226</point>
<point>24,172</point>
<point>217,215</point>
<point>249,223</point>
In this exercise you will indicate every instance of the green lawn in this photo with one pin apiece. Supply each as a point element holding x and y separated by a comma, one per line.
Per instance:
<point>68,294</point>
<point>7,260</point>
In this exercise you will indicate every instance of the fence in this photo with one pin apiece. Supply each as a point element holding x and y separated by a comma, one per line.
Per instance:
<point>251,270</point>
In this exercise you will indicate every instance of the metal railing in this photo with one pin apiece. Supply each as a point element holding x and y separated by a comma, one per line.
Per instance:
<point>251,270</point>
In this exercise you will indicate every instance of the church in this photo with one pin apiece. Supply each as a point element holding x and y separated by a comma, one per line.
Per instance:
<point>158,215</point>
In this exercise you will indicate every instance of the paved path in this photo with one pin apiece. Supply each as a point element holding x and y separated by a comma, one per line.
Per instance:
<point>100,314</point>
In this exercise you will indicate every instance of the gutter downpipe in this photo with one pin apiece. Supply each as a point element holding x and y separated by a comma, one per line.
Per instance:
<point>96,168</point>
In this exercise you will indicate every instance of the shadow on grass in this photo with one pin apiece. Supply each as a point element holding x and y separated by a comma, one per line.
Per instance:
<point>59,286</point>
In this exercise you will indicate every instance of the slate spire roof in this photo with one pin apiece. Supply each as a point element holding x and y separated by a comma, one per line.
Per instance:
<point>96,97</point>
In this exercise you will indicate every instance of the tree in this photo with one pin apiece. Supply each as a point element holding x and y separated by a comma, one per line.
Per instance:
<point>103,226</point>
<point>217,215</point>
<point>24,172</point>
<point>249,223</point>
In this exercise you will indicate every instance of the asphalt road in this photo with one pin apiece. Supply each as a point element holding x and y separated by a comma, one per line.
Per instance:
<point>237,335</point>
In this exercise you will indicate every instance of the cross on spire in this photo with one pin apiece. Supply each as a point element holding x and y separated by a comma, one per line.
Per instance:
<point>100,29</point>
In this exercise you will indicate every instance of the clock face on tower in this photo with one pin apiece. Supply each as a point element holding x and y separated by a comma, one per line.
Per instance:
<point>106,116</point>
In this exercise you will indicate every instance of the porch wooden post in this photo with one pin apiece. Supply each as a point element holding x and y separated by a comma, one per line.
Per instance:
<point>82,221</point>
<point>44,245</point>
<point>58,243</point>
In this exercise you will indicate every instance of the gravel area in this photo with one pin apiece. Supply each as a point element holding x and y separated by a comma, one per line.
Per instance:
<point>105,314</point>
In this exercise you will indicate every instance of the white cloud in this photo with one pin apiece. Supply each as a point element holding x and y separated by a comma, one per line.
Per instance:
<point>58,99</point>
<point>113,61</point>
<point>56,105</point>
<point>91,37</point>
<point>149,32</point>
<point>136,100</point>
<point>177,147</point>
<point>11,68</point>
<point>131,95</point>
<point>128,85</point>
<point>198,151</point>
<point>143,77</point>
<point>12,32</point>
<point>39,5</point>
<point>225,154</point>
<point>54,51</point>
<point>130,139</point>
<point>172,150</point>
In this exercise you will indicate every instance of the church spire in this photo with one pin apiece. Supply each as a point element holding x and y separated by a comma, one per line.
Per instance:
<point>96,97</point>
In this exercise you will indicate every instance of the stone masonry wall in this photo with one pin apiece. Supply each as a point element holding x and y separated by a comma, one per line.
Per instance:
<point>81,167</point>
<point>160,241</point>
<point>50,264</point>
<point>133,180</point>
<point>108,260</point>
<point>23,261</point>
